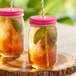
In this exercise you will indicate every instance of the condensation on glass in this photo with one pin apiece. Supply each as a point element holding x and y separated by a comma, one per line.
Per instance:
<point>42,49</point>
<point>11,32</point>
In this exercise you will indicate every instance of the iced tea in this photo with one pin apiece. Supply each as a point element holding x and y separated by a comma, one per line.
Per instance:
<point>11,36</point>
<point>37,52</point>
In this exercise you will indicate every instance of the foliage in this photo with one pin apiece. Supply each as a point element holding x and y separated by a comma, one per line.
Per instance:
<point>33,7</point>
<point>4,3</point>
<point>66,20</point>
<point>71,4</point>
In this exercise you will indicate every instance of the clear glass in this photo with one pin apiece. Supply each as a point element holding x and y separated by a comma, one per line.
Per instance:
<point>11,36</point>
<point>42,49</point>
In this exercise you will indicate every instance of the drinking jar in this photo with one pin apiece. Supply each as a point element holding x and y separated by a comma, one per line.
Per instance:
<point>42,50</point>
<point>11,32</point>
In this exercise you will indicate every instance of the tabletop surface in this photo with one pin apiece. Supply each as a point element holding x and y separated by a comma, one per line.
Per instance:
<point>66,39</point>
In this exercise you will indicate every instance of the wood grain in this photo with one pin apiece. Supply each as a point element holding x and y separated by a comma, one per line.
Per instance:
<point>65,63</point>
<point>21,67</point>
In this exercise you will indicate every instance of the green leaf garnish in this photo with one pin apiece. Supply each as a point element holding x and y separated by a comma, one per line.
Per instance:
<point>51,35</point>
<point>39,34</point>
<point>17,25</point>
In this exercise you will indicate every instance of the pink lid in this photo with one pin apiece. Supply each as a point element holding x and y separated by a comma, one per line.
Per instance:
<point>13,12</point>
<point>47,20</point>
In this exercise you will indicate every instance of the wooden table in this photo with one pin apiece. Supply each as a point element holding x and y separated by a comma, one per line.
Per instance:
<point>65,63</point>
<point>66,39</point>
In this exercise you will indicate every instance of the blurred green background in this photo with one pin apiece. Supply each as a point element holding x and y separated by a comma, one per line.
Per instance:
<point>64,10</point>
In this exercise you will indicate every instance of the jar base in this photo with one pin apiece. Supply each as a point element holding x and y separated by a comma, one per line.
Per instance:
<point>36,67</point>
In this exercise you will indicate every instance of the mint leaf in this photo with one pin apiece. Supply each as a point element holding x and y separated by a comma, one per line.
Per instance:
<point>51,35</point>
<point>39,34</point>
<point>17,25</point>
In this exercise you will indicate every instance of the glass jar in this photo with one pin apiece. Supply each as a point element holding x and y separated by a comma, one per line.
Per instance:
<point>11,32</point>
<point>42,49</point>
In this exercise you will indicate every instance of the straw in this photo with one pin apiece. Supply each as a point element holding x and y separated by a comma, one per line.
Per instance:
<point>11,4</point>
<point>42,4</point>
<point>46,51</point>
<point>46,46</point>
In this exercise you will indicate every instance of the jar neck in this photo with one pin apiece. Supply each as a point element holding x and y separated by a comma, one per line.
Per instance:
<point>14,16</point>
<point>41,26</point>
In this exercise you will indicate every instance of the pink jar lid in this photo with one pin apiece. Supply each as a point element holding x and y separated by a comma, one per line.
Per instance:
<point>13,12</point>
<point>46,21</point>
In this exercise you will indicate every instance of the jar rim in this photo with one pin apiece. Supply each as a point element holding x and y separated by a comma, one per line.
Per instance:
<point>10,13</point>
<point>46,21</point>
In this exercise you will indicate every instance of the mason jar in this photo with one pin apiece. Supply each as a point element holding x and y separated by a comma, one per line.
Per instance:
<point>11,32</point>
<point>42,50</point>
